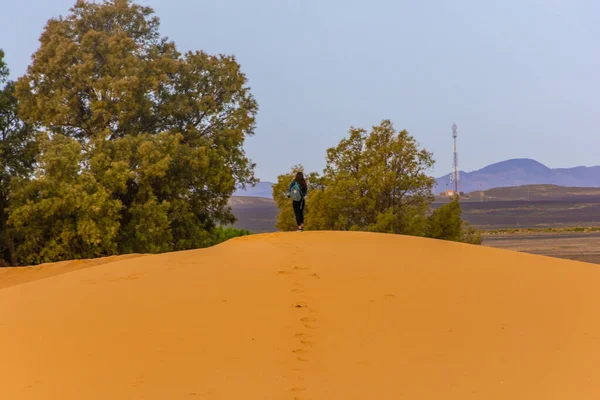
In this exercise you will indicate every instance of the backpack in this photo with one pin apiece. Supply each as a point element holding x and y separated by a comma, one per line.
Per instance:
<point>295,192</point>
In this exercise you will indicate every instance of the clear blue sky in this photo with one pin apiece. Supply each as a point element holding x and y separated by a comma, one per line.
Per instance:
<point>521,78</point>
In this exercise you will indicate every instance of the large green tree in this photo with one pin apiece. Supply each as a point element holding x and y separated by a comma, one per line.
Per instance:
<point>17,152</point>
<point>159,132</point>
<point>378,181</point>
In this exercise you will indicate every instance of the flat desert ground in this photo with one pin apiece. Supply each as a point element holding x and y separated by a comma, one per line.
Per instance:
<point>311,315</point>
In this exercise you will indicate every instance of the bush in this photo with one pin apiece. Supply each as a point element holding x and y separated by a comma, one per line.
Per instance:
<point>471,235</point>
<point>445,223</point>
<point>222,234</point>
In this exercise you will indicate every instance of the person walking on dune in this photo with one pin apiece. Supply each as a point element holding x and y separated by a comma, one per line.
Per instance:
<point>297,192</point>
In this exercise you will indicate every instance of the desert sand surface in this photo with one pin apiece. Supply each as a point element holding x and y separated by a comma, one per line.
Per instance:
<point>16,276</point>
<point>311,315</point>
<point>572,246</point>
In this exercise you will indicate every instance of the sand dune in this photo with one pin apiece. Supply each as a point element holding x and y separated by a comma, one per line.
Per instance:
<point>312,315</point>
<point>16,276</point>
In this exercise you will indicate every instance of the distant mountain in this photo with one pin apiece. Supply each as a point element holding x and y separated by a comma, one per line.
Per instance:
<point>521,171</point>
<point>262,189</point>
<point>255,214</point>
<point>515,172</point>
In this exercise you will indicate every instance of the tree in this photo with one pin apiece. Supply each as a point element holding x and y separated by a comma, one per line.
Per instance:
<point>17,151</point>
<point>3,68</point>
<point>374,182</point>
<point>399,187</point>
<point>161,132</point>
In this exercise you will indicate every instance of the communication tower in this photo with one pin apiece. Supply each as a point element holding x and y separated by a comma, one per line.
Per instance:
<point>455,162</point>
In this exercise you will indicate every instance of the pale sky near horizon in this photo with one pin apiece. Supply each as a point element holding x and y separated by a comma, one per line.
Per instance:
<point>521,78</point>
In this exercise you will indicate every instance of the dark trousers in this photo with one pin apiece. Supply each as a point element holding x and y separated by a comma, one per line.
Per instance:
<point>299,211</point>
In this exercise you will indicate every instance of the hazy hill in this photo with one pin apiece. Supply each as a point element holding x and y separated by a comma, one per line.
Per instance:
<point>522,171</point>
<point>509,173</point>
<point>256,214</point>
<point>262,189</point>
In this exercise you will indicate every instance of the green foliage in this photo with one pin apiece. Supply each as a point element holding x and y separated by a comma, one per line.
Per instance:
<point>376,182</point>
<point>222,234</point>
<point>143,143</point>
<point>471,235</point>
<point>3,68</point>
<point>373,182</point>
<point>17,152</point>
<point>445,222</point>
<point>61,213</point>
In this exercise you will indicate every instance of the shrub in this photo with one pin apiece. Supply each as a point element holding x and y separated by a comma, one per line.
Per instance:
<point>222,234</point>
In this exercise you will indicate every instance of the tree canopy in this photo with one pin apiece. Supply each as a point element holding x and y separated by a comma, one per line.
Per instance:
<point>139,146</point>
<point>17,152</point>
<point>376,181</point>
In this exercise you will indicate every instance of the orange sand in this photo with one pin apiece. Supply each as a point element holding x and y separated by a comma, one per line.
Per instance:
<point>16,276</point>
<point>312,315</point>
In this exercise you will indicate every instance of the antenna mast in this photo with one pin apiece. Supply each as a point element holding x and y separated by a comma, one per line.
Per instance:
<point>455,163</point>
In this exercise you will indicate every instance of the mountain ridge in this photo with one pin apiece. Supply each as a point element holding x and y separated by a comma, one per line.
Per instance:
<point>507,173</point>
<point>261,189</point>
<point>519,172</point>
